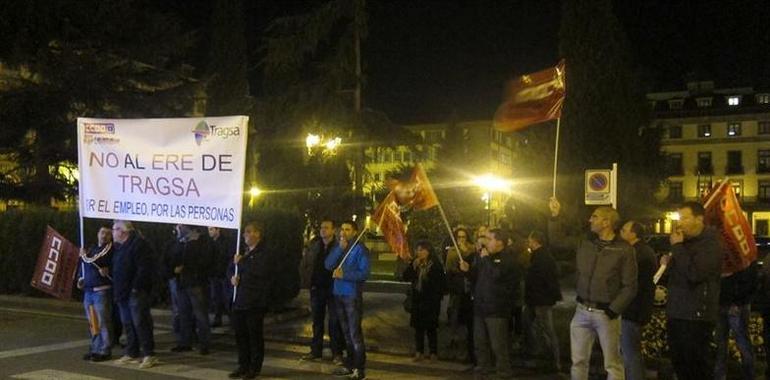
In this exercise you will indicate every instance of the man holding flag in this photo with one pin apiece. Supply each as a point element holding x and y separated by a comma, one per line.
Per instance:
<point>349,261</point>
<point>695,267</point>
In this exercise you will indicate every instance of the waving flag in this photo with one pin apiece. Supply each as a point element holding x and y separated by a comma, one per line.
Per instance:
<point>56,265</point>
<point>724,212</point>
<point>531,99</point>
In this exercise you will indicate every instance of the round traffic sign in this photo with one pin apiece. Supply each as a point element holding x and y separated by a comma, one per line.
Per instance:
<point>598,182</point>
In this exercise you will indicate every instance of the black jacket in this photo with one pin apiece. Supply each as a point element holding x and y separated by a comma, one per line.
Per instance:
<point>225,250</point>
<point>694,274</point>
<point>255,269</point>
<point>738,288</point>
<point>198,258</point>
<point>312,270</point>
<point>541,287</point>
<point>495,278</point>
<point>426,303</point>
<point>640,309</point>
<point>132,267</point>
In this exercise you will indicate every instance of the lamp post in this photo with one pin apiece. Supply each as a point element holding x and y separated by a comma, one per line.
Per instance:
<point>490,183</point>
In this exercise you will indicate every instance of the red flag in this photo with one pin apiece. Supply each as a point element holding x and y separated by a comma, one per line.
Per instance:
<point>56,265</point>
<point>724,212</point>
<point>531,99</point>
<point>418,193</point>
<point>388,217</point>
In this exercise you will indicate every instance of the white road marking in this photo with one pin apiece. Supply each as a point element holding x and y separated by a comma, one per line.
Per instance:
<point>43,349</point>
<point>51,374</point>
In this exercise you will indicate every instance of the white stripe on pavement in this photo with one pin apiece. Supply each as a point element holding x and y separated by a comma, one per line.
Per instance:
<point>42,349</point>
<point>48,374</point>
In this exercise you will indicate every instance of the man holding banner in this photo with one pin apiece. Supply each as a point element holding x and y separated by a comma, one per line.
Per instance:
<point>94,279</point>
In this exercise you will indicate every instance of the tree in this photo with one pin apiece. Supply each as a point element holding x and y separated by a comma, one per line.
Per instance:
<point>605,117</point>
<point>80,58</point>
<point>313,83</point>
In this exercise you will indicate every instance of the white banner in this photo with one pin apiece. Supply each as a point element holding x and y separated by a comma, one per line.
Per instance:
<point>187,171</point>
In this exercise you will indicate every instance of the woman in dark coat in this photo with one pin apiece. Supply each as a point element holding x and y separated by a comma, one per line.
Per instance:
<point>252,283</point>
<point>428,283</point>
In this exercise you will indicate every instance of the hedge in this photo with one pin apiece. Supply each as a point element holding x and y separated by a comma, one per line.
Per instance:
<point>22,231</point>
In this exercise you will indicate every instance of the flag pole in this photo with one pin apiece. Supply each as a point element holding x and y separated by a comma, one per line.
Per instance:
<point>713,194</point>
<point>556,155</point>
<point>351,247</point>
<point>451,234</point>
<point>237,252</point>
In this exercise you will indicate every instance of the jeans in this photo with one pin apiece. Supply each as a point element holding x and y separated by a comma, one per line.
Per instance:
<point>350,313</point>
<point>631,348</point>
<point>100,319</point>
<point>691,355</point>
<point>137,324</point>
<point>321,301</point>
<point>539,328</point>
<point>248,325</point>
<point>736,320</point>
<point>588,324</point>
<point>173,296</point>
<point>493,338</point>
<point>194,314</point>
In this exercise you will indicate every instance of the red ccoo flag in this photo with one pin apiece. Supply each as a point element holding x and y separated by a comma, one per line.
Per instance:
<point>724,212</point>
<point>388,217</point>
<point>531,99</point>
<point>56,265</point>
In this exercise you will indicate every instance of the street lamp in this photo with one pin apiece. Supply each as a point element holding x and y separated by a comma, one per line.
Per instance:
<point>491,183</point>
<point>254,192</point>
<point>328,147</point>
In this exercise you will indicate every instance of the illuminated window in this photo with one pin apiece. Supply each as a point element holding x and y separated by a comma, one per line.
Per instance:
<point>763,98</point>
<point>733,100</point>
<point>734,129</point>
<point>704,130</point>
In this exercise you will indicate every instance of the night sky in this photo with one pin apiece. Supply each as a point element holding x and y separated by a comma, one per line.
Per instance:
<point>428,60</point>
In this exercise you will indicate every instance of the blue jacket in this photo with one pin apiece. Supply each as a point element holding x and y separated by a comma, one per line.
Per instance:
<point>90,274</point>
<point>132,267</point>
<point>355,270</point>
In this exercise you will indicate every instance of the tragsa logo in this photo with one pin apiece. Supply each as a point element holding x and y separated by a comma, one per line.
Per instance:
<point>201,132</point>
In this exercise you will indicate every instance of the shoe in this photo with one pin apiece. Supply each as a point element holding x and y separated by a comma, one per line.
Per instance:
<point>237,374</point>
<point>342,372</point>
<point>87,356</point>
<point>250,375</point>
<point>181,349</point>
<point>148,362</point>
<point>337,360</point>
<point>357,375</point>
<point>125,359</point>
<point>309,357</point>
<point>417,357</point>
<point>100,358</point>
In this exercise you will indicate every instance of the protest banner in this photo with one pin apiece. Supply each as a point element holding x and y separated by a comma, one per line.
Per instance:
<point>187,171</point>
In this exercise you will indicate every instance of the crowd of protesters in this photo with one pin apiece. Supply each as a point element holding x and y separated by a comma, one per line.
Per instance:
<point>502,288</point>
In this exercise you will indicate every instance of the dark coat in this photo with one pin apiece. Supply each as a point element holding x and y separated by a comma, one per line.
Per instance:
<point>738,288</point>
<point>426,304</point>
<point>495,278</point>
<point>198,258</point>
<point>313,273</point>
<point>225,250</point>
<point>542,284</point>
<point>256,270</point>
<point>132,267</point>
<point>640,309</point>
<point>694,274</point>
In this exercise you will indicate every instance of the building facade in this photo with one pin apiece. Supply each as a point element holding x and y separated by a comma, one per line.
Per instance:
<point>713,134</point>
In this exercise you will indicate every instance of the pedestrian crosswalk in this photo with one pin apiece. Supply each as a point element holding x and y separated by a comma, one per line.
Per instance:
<point>282,362</point>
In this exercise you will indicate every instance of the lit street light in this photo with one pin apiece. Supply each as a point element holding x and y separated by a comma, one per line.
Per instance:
<point>254,192</point>
<point>327,147</point>
<point>491,183</point>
